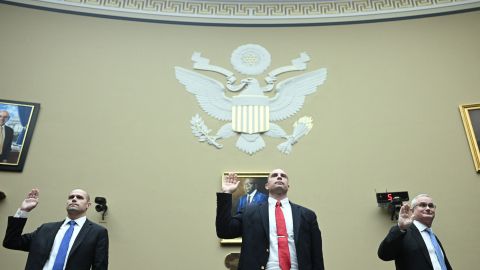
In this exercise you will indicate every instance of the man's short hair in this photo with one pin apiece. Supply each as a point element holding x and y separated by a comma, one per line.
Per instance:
<point>414,200</point>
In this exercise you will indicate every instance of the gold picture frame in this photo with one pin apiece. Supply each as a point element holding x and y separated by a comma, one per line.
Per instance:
<point>471,121</point>
<point>238,197</point>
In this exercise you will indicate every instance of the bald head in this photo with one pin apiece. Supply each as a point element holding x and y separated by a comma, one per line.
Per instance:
<point>78,203</point>
<point>277,184</point>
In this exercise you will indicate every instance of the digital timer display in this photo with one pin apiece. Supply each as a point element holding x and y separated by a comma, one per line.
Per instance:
<point>387,197</point>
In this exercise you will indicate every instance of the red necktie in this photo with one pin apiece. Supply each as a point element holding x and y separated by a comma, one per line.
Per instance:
<point>283,252</point>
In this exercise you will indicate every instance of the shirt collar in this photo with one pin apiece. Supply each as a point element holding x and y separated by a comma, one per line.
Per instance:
<point>79,221</point>
<point>272,201</point>
<point>420,226</point>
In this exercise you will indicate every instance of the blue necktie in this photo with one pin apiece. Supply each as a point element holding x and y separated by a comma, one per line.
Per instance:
<point>437,248</point>
<point>62,251</point>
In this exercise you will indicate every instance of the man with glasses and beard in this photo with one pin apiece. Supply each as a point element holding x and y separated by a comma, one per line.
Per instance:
<point>276,234</point>
<point>412,243</point>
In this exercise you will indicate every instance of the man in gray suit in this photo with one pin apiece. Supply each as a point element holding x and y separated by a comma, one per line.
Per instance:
<point>86,246</point>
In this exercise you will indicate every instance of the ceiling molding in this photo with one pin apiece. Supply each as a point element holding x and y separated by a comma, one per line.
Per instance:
<point>256,12</point>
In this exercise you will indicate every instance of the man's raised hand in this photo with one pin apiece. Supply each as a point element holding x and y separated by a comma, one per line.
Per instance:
<point>31,201</point>
<point>405,217</point>
<point>230,183</point>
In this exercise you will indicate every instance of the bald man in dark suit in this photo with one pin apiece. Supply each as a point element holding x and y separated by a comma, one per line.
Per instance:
<point>264,246</point>
<point>87,247</point>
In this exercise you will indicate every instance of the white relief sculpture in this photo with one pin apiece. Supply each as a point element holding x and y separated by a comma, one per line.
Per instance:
<point>251,113</point>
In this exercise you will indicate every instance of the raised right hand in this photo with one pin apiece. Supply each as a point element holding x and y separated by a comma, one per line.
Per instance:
<point>230,183</point>
<point>31,201</point>
<point>405,217</point>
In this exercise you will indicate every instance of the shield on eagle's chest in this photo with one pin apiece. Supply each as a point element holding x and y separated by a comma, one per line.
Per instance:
<point>250,114</point>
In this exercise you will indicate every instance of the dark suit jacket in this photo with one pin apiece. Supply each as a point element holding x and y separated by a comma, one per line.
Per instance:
<point>407,249</point>
<point>253,226</point>
<point>89,251</point>
<point>258,198</point>
<point>7,143</point>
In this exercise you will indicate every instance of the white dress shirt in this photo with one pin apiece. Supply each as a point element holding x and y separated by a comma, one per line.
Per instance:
<point>58,238</point>
<point>428,242</point>
<point>273,263</point>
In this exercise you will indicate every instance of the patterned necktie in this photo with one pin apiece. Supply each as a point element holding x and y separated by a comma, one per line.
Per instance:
<point>438,250</point>
<point>283,252</point>
<point>62,251</point>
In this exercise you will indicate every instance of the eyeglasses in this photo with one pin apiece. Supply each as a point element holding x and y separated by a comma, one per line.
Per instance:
<point>424,205</point>
<point>273,175</point>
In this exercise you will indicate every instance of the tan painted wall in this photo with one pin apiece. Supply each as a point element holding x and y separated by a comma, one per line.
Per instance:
<point>115,121</point>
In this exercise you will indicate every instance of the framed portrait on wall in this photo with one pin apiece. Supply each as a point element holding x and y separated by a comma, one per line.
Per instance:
<point>17,121</point>
<point>251,191</point>
<point>471,121</point>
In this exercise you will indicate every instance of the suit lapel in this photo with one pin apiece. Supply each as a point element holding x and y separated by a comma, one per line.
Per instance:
<point>242,203</point>
<point>264,215</point>
<point>444,254</point>
<point>81,235</point>
<point>296,212</point>
<point>255,197</point>
<point>53,233</point>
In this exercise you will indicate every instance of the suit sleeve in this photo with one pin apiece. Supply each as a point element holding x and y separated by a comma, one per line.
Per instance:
<point>101,251</point>
<point>227,226</point>
<point>317,251</point>
<point>13,236</point>
<point>391,246</point>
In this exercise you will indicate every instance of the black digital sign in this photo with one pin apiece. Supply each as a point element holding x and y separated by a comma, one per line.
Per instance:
<point>388,197</point>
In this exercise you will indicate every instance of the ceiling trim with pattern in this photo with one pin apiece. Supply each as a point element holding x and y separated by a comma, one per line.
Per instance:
<point>265,12</point>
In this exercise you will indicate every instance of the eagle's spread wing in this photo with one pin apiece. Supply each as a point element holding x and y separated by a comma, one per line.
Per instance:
<point>291,93</point>
<point>210,93</point>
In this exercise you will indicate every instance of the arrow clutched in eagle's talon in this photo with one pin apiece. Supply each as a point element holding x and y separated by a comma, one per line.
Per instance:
<point>300,128</point>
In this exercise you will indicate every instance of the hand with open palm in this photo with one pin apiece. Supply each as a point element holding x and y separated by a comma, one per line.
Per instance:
<point>405,217</point>
<point>31,201</point>
<point>230,183</point>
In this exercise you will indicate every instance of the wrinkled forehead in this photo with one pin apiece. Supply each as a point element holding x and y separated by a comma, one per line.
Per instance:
<point>278,171</point>
<point>79,192</point>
